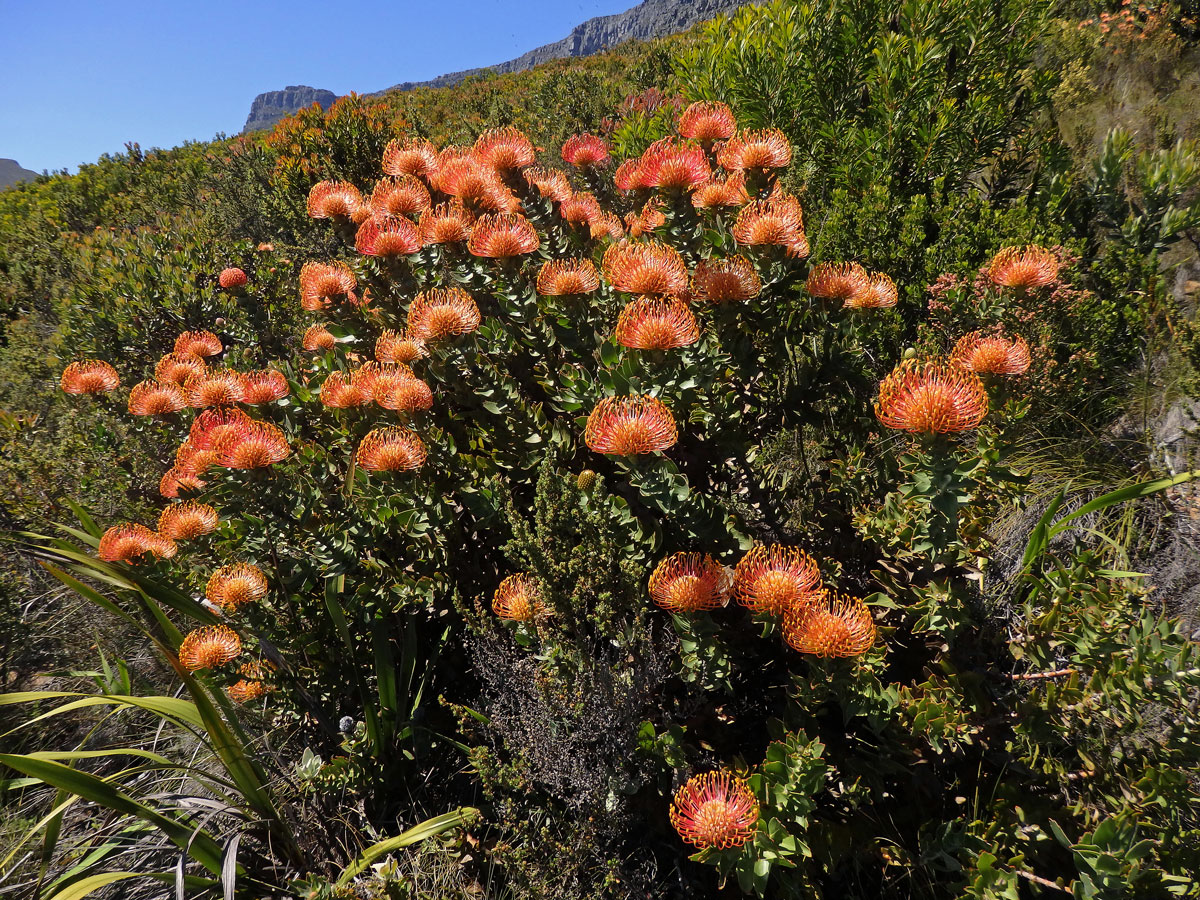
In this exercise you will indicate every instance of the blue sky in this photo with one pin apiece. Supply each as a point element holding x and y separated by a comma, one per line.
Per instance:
<point>81,78</point>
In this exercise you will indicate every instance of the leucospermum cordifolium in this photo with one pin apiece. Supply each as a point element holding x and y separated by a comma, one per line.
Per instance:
<point>489,320</point>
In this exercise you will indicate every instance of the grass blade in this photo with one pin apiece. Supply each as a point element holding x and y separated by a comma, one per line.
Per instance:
<point>427,829</point>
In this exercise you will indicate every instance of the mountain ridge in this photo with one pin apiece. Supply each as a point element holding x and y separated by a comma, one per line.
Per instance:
<point>12,172</point>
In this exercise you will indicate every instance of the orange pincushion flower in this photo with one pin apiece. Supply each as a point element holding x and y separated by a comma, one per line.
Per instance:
<point>236,585</point>
<point>198,343</point>
<point>715,810</point>
<point>387,236</point>
<point>503,236</point>
<point>394,386</point>
<point>690,582</point>
<point>399,347</point>
<point>929,397</point>
<point>707,122</point>
<point>624,426</point>
<point>403,196</point>
<point>767,148</point>
<point>559,277</point>
<point>648,220</point>
<point>840,627</point>
<point>254,445</point>
<point>156,398</point>
<point>584,151</point>
<point>441,312</point>
<point>335,200</point>
<point>394,449</point>
<point>607,226</point>
<point>192,460</point>
<point>1023,267</point>
<point>718,192</point>
<point>321,285</point>
<point>848,282</point>
<point>657,323</point>
<point>415,156</point>
<point>318,337</point>
<point>726,280</point>
<point>550,183</point>
<point>771,579</point>
<point>252,685</point>
<point>671,165</point>
<point>519,598</point>
<point>90,377</point>
<point>991,355</point>
<point>628,176</point>
<point>648,268</point>
<point>476,185</point>
<point>340,392</point>
<point>176,480</point>
<point>446,223</point>
<point>209,647</point>
<point>504,148</point>
<point>179,368</point>
<point>187,520</point>
<point>776,221</point>
<point>580,209</point>
<point>210,426</point>
<point>263,387</point>
<point>232,277</point>
<point>219,387</point>
<point>129,541</point>
<point>880,294</point>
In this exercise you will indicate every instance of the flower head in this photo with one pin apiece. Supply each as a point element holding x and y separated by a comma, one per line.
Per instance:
<point>690,582</point>
<point>129,541</point>
<point>841,626</point>
<point>187,520</point>
<point>625,426</point>
<point>880,294</point>
<point>336,200</point>
<point>847,282</point>
<point>236,585</point>
<point>193,460</point>
<point>504,148</point>
<point>671,165</point>
<point>415,156</point>
<point>198,343</point>
<point>1023,267</point>
<point>446,223</point>
<point>560,277</point>
<point>657,323</point>
<point>210,426</point>
<point>265,386</point>
<point>930,397</point>
<point>776,221</point>
<point>763,149</point>
<point>394,386</point>
<point>628,176</point>
<point>519,598</point>
<point>232,278</point>
<point>715,810</point>
<point>440,312</point>
<point>475,184</point>
<point>402,196</point>
<point>253,445</point>
<point>550,183</point>
<point>209,647</point>
<point>175,480</point>
<point>503,236</point>
<point>648,220</point>
<point>580,208</point>
<point>216,387</point>
<point>393,449</point>
<point>707,122</point>
<point>729,191</point>
<point>584,151</point>
<point>387,236</point>
<point>321,285</point>
<point>607,225</point>
<point>341,392</point>
<point>156,398</point>
<point>318,337</point>
<point>90,377</point>
<point>646,268</point>
<point>179,368</point>
<point>726,280</point>
<point>991,355</point>
<point>399,347</point>
<point>771,579</point>
<point>252,686</point>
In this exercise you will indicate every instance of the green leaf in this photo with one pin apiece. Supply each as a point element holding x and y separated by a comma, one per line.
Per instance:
<point>427,829</point>
<point>85,886</point>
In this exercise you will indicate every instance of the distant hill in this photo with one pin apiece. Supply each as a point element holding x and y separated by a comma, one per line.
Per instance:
<point>649,19</point>
<point>12,173</point>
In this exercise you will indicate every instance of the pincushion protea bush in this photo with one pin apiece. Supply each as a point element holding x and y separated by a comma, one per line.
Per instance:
<point>403,494</point>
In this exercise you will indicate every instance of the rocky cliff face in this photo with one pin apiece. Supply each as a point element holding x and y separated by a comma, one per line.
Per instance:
<point>269,108</point>
<point>649,19</point>
<point>12,173</point>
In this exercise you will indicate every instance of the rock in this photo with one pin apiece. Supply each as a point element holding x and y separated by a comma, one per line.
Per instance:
<point>269,108</point>
<point>12,173</point>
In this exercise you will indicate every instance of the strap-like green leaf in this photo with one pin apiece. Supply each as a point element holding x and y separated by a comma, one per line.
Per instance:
<point>414,835</point>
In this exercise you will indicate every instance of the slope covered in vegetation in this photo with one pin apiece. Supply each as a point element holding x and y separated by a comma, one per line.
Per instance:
<point>705,468</point>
